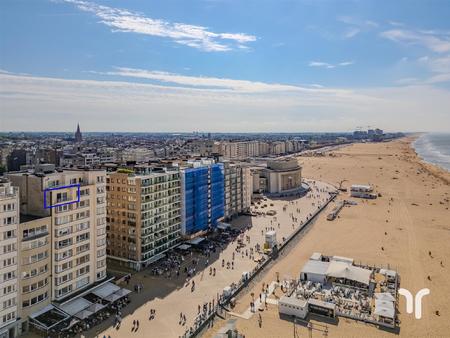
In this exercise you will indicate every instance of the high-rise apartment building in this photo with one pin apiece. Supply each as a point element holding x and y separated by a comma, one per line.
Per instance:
<point>202,188</point>
<point>238,189</point>
<point>144,215</point>
<point>74,201</point>
<point>9,224</point>
<point>35,266</point>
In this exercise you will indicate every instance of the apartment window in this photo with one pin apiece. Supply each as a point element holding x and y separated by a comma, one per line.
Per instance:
<point>8,303</point>
<point>8,317</point>
<point>63,231</point>
<point>63,243</point>
<point>27,233</point>
<point>35,272</point>
<point>35,244</point>
<point>9,275</point>
<point>63,255</point>
<point>84,270</point>
<point>63,208</point>
<point>9,220</point>
<point>9,207</point>
<point>9,248</point>
<point>83,237</point>
<point>9,261</point>
<point>83,259</point>
<point>35,300</point>
<point>35,286</point>
<point>101,274</point>
<point>63,267</point>
<point>65,290</point>
<point>9,234</point>
<point>61,197</point>
<point>101,253</point>
<point>82,282</point>
<point>82,248</point>
<point>63,279</point>
<point>101,264</point>
<point>35,258</point>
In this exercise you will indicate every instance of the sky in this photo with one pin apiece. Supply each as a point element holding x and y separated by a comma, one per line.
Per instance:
<point>224,65</point>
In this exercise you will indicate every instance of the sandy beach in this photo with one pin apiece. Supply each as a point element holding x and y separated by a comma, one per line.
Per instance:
<point>409,221</point>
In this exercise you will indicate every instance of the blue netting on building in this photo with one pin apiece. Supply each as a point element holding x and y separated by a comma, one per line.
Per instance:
<point>217,193</point>
<point>204,197</point>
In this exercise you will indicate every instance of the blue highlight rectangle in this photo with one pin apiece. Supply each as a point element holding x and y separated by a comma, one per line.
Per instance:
<point>60,188</point>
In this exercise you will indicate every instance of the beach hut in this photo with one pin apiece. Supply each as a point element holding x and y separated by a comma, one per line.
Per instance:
<point>293,306</point>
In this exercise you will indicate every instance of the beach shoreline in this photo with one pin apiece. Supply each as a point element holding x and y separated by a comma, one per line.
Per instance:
<point>401,233</point>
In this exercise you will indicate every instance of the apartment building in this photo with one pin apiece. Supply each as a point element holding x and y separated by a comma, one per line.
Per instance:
<point>144,215</point>
<point>75,203</point>
<point>238,189</point>
<point>240,150</point>
<point>35,266</point>
<point>202,190</point>
<point>9,223</point>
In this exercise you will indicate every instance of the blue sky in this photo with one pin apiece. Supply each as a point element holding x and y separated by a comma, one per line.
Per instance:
<point>224,65</point>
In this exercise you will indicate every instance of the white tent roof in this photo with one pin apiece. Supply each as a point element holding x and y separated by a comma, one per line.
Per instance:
<point>74,306</point>
<point>344,270</point>
<point>384,308</point>
<point>385,296</point>
<point>316,256</point>
<point>316,267</point>
<point>105,290</point>
<point>342,259</point>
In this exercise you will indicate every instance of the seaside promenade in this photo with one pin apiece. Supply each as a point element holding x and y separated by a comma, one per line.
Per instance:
<point>172,296</point>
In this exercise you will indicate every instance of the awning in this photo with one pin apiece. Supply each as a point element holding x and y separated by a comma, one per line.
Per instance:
<point>83,314</point>
<point>122,292</point>
<point>184,247</point>
<point>96,307</point>
<point>386,296</point>
<point>196,241</point>
<point>112,298</point>
<point>105,290</point>
<point>345,270</point>
<point>48,317</point>
<point>384,309</point>
<point>75,306</point>
<point>223,226</point>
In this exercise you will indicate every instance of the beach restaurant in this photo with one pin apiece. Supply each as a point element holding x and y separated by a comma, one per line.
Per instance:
<point>337,270</point>
<point>81,312</point>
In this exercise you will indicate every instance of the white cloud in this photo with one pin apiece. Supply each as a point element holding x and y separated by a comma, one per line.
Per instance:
<point>434,42</point>
<point>198,37</point>
<point>356,26</point>
<point>213,83</point>
<point>330,65</point>
<point>39,103</point>
<point>351,33</point>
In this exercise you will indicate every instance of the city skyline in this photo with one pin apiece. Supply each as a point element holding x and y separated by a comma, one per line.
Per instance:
<point>224,66</point>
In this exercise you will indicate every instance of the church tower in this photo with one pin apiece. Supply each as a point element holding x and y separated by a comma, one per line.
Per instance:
<point>78,137</point>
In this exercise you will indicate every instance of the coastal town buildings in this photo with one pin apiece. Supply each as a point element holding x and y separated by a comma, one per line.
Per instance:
<point>144,215</point>
<point>238,189</point>
<point>9,274</point>
<point>73,205</point>
<point>202,190</point>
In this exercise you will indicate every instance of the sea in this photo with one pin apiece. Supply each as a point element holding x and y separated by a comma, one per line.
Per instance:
<point>434,148</point>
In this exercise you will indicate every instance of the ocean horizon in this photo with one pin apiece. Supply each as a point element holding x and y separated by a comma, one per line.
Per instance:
<point>434,148</point>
